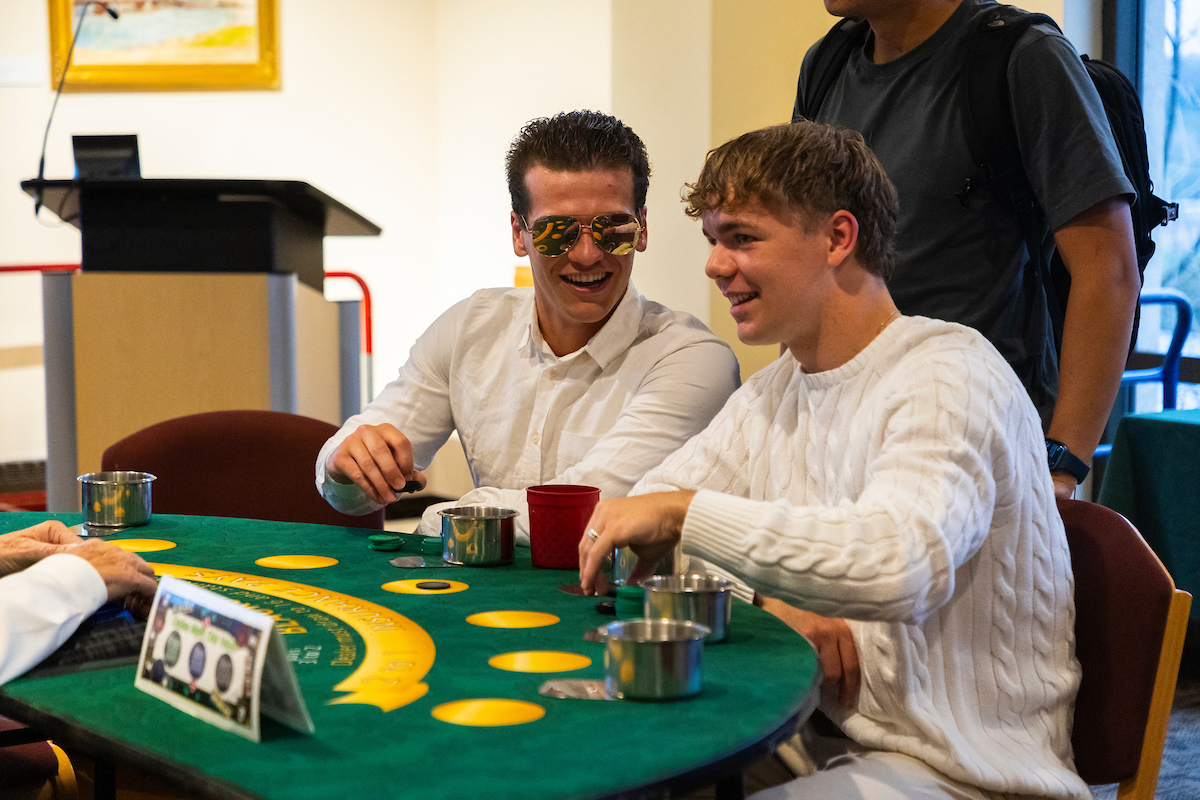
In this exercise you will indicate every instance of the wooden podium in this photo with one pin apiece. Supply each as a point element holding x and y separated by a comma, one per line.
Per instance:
<point>193,296</point>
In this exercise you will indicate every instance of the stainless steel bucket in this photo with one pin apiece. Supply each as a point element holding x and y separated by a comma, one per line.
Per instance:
<point>477,536</point>
<point>115,499</point>
<point>653,659</point>
<point>698,598</point>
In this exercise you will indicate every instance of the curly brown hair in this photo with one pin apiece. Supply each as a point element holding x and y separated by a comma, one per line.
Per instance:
<point>809,168</point>
<point>575,141</point>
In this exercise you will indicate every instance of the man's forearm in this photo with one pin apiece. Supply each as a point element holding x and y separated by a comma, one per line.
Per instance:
<point>1097,248</point>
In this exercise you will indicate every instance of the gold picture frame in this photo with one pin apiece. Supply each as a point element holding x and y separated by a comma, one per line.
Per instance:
<point>241,55</point>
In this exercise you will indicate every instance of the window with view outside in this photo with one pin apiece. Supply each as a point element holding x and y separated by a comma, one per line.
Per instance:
<point>1170,85</point>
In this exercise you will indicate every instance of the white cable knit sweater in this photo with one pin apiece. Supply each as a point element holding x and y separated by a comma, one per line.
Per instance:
<point>907,491</point>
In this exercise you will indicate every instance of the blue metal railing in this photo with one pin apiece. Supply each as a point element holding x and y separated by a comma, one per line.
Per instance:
<point>1166,373</point>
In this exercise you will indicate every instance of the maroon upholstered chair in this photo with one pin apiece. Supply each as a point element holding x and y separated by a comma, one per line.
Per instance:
<point>1130,622</point>
<point>255,464</point>
<point>37,769</point>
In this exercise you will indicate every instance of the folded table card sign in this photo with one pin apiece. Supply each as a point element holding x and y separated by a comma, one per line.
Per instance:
<point>219,661</point>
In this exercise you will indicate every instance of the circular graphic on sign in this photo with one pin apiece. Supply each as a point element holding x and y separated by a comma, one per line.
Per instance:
<point>488,712</point>
<point>171,648</point>
<point>224,674</point>
<point>539,661</point>
<point>143,545</point>
<point>296,562</point>
<point>413,586</point>
<point>196,660</point>
<point>512,619</point>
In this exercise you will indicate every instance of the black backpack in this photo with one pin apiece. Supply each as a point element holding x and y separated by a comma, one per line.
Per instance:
<point>992,138</point>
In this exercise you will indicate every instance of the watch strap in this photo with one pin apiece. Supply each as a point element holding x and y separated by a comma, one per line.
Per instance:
<point>1061,459</point>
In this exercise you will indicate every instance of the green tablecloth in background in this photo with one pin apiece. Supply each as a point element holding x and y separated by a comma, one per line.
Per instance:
<point>1153,478</point>
<point>753,682</point>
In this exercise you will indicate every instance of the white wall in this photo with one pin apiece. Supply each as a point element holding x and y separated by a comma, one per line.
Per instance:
<point>500,65</point>
<point>662,89</point>
<point>402,109</point>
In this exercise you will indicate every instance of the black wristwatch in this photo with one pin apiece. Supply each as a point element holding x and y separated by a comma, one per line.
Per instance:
<point>1063,460</point>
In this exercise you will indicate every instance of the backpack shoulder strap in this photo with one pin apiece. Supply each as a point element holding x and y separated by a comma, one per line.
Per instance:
<point>830,57</point>
<point>990,129</point>
<point>991,135</point>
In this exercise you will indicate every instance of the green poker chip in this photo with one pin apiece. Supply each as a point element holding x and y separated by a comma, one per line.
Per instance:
<point>385,542</point>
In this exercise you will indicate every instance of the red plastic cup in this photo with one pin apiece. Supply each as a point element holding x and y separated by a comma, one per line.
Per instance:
<point>557,516</point>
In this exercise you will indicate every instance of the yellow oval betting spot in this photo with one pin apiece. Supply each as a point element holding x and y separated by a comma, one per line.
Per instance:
<point>488,712</point>
<point>512,619</point>
<point>143,545</point>
<point>296,562</point>
<point>412,586</point>
<point>539,661</point>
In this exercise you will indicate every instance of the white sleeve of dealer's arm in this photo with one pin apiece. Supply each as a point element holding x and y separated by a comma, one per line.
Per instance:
<point>41,606</point>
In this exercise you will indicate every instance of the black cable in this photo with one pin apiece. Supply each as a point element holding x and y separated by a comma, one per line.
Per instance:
<point>112,12</point>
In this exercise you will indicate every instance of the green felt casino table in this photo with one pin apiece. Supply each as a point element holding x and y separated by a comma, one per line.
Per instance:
<point>383,669</point>
<point>1151,478</point>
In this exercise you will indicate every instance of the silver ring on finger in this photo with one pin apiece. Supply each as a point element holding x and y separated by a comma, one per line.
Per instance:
<point>593,534</point>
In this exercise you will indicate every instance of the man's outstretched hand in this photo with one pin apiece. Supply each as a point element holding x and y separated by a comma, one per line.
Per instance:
<point>376,458</point>
<point>649,524</point>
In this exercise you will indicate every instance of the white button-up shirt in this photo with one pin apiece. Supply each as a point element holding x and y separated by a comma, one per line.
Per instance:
<point>602,416</point>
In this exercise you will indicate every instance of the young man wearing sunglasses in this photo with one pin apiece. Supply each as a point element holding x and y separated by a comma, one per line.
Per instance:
<point>579,380</point>
<point>890,471</point>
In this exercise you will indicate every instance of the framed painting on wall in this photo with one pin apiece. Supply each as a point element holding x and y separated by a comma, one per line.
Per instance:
<point>165,45</point>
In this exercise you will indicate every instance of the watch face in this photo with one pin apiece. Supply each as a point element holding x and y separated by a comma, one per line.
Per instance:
<point>1054,452</point>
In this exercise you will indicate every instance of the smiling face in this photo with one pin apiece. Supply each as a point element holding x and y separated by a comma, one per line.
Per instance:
<point>576,292</point>
<point>775,274</point>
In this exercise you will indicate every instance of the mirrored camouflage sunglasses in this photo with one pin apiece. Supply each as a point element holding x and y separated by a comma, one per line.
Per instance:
<point>555,234</point>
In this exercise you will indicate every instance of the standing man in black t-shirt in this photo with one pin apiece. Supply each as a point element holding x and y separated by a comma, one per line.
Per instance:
<point>966,262</point>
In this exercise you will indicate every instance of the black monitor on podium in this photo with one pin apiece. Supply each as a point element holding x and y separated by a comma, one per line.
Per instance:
<point>106,156</point>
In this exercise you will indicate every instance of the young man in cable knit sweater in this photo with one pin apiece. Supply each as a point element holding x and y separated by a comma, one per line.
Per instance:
<point>887,473</point>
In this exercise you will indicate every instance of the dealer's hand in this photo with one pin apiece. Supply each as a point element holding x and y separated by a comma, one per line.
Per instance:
<point>650,524</point>
<point>833,642</point>
<point>23,548</point>
<point>126,576</point>
<point>378,458</point>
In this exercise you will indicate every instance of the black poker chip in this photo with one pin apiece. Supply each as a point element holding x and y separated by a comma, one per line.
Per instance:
<point>433,586</point>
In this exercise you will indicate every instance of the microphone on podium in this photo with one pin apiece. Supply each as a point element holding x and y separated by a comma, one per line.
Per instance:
<point>112,12</point>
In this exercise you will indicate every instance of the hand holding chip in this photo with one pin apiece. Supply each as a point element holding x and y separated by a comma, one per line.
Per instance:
<point>649,524</point>
<point>378,459</point>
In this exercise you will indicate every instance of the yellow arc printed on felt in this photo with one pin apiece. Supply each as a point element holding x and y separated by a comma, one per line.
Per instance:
<point>398,654</point>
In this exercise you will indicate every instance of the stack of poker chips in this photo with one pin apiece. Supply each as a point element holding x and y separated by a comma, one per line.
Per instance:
<point>386,542</point>
<point>630,602</point>
<point>390,542</point>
